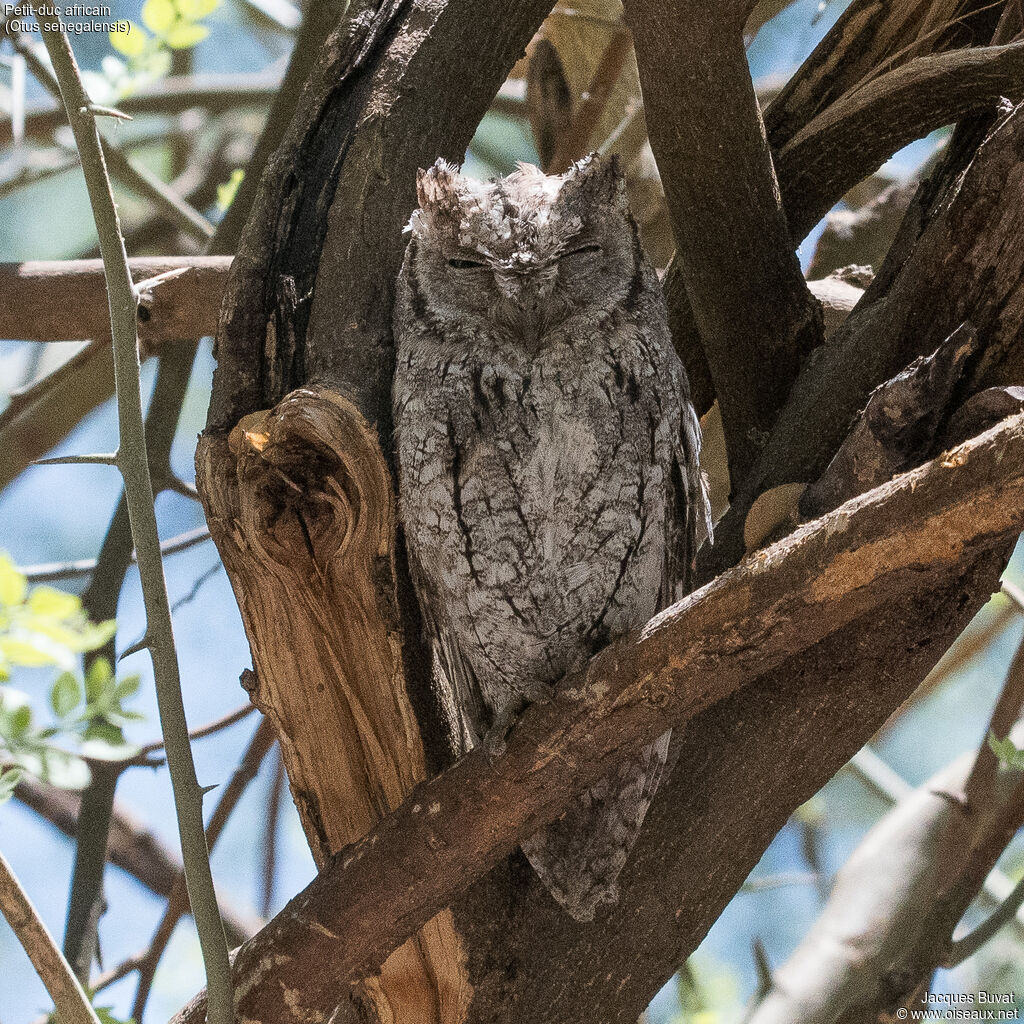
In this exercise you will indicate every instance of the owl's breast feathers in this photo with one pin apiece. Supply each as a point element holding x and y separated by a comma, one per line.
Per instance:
<point>534,497</point>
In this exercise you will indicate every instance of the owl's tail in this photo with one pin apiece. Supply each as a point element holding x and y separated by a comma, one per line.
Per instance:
<point>579,856</point>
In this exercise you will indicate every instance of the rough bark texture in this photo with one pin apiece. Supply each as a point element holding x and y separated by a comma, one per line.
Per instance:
<point>843,138</point>
<point>309,299</point>
<point>300,506</point>
<point>883,553</point>
<point>966,265</point>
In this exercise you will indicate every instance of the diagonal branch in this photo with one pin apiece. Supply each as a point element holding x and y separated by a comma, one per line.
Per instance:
<point>900,540</point>
<point>862,129</point>
<point>65,991</point>
<point>849,140</point>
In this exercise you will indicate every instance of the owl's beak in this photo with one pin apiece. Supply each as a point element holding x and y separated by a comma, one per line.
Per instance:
<point>526,296</point>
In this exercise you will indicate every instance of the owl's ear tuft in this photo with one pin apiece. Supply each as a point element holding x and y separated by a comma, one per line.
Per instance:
<point>596,180</point>
<point>437,189</point>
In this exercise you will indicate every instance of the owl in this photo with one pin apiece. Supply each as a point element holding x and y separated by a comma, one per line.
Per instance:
<point>550,490</point>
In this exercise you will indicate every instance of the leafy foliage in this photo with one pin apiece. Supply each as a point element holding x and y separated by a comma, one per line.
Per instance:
<point>146,49</point>
<point>227,190</point>
<point>1010,755</point>
<point>47,627</point>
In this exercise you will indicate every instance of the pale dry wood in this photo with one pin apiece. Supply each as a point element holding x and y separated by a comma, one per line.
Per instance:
<point>898,540</point>
<point>309,299</point>
<point>300,504</point>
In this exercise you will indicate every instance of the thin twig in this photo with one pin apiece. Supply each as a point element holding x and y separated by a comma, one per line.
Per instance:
<point>961,949</point>
<point>134,467</point>
<point>177,903</point>
<point>217,725</point>
<point>136,178</point>
<point>51,572</point>
<point>212,92</point>
<point>53,970</point>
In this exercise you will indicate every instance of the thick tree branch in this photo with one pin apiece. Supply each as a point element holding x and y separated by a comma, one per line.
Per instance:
<point>894,542</point>
<point>309,300</point>
<point>751,306</point>
<point>852,138</point>
<point>965,267</point>
<point>861,130</point>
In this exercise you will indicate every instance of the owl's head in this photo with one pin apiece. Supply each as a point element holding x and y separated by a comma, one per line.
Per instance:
<point>523,254</point>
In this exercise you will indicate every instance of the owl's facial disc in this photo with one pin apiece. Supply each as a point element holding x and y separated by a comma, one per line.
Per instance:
<point>524,255</point>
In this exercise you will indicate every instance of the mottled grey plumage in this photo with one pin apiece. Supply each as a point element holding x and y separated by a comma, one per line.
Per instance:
<point>548,456</point>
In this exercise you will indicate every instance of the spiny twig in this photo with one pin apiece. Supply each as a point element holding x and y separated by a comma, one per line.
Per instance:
<point>134,467</point>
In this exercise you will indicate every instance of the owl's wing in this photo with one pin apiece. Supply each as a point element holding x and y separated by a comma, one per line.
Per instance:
<point>688,523</point>
<point>455,686</point>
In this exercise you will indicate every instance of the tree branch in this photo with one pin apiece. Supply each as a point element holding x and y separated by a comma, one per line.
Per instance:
<point>65,991</point>
<point>852,138</point>
<point>751,306</point>
<point>213,92</point>
<point>860,131</point>
<point>131,847</point>
<point>965,267</point>
<point>134,466</point>
<point>895,542</point>
<point>66,300</point>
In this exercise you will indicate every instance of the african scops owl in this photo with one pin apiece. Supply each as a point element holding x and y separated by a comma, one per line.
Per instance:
<point>548,459</point>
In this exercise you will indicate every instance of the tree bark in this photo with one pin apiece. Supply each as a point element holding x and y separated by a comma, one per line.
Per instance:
<point>889,548</point>
<point>308,303</point>
<point>300,502</point>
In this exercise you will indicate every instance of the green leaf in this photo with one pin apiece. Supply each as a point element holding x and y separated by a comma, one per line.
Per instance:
<point>156,64</point>
<point>227,190</point>
<point>8,780</point>
<point>12,583</point>
<point>106,1016</point>
<point>65,694</point>
<point>1010,755</point>
<point>159,16</point>
<point>52,603</point>
<point>19,722</point>
<point>104,740</point>
<point>196,10</point>
<point>127,687</point>
<point>130,716</point>
<point>184,35</point>
<point>99,680</point>
<point>129,38</point>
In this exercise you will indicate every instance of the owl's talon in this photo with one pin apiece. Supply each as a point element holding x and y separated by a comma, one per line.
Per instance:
<point>494,741</point>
